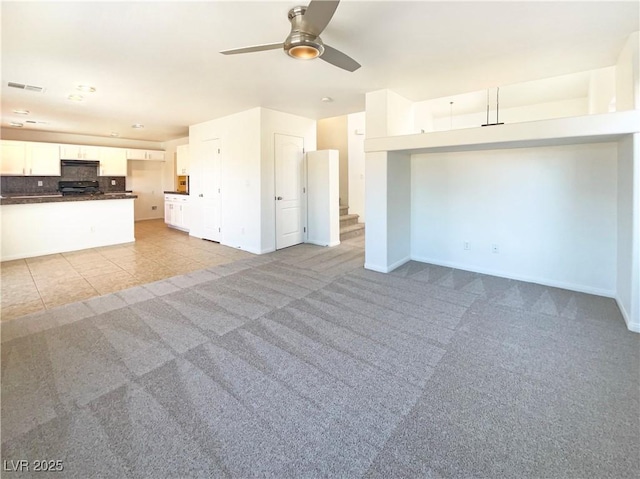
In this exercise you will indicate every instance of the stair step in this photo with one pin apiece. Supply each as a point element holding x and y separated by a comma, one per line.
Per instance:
<point>344,210</point>
<point>348,220</point>
<point>351,231</point>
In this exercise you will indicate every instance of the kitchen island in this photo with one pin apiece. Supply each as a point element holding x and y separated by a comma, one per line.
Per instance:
<point>36,225</point>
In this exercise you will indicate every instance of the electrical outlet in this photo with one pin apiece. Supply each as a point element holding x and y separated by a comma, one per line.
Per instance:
<point>465,245</point>
<point>154,207</point>
<point>39,183</point>
<point>113,182</point>
<point>494,248</point>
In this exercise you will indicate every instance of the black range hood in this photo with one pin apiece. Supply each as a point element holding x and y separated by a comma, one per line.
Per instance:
<point>79,163</point>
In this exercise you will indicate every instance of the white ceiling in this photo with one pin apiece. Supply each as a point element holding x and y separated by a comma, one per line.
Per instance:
<point>157,63</point>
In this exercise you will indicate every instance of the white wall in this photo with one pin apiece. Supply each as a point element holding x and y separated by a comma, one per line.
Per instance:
<point>145,179</point>
<point>628,274</point>
<point>355,139</point>
<point>550,210</point>
<point>602,90</point>
<point>248,173</point>
<point>150,179</point>
<point>376,114</point>
<point>388,114</point>
<point>628,75</point>
<point>398,209</point>
<point>273,122</point>
<point>425,120</point>
<point>332,135</point>
<point>323,209</point>
<point>239,135</point>
<point>169,178</point>
<point>376,198</point>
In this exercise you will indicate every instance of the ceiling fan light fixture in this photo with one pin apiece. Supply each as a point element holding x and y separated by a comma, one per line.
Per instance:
<point>303,46</point>
<point>304,52</point>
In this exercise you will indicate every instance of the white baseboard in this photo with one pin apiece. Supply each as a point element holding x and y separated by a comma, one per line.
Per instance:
<point>529,279</point>
<point>322,243</point>
<point>388,268</point>
<point>631,326</point>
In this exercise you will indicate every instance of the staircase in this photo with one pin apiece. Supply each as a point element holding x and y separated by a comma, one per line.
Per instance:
<point>349,226</point>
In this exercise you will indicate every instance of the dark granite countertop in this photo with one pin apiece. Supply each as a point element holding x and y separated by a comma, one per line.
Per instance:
<point>176,193</point>
<point>16,199</point>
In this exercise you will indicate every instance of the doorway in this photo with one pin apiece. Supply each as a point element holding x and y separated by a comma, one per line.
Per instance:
<point>290,189</point>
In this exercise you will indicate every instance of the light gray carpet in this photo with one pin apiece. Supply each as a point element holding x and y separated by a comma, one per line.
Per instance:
<point>303,364</point>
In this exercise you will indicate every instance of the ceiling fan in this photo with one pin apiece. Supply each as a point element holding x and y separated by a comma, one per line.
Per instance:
<point>303,42</point>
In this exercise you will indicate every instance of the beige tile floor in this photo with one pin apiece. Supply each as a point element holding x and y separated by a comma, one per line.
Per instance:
<point>33,284</point>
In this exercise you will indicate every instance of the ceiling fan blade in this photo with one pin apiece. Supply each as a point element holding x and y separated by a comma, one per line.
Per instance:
<point>255,48</point>
<point>339,59</point>
<point>318,15</point>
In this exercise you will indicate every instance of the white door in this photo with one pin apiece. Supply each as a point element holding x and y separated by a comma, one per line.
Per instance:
<point>290,189</point>
<point>210,187</point>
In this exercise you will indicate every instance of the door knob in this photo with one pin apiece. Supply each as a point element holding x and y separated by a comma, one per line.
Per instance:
<point>278,198</point>
<point>201,195</point>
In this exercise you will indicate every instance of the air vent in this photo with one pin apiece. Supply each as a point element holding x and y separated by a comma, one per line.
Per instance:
<point>22,86</point>
<point>37,122</point>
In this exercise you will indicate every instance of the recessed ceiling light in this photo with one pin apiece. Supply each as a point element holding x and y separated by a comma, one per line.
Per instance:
<point>75,97</point>
<point>86,88</point>
<point>21,112</point>
<point>327,99</point>
<point>137,125</point>
<point>115,133</point>
<point>16,124</point>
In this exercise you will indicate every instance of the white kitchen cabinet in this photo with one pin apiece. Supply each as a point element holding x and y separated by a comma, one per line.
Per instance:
<point>14,155</point>
<point>43,159</point>
<point>27,158</point>
<point>113,162</point>
<point>176,211</point>
<point>182,160</point>
<point>79,152</point>
<point>153,155</point>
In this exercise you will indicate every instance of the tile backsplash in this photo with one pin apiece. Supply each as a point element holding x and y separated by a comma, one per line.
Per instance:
<point>29,184</point>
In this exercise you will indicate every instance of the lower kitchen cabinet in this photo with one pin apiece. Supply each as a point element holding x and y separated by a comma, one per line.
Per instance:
<point>176,211</point>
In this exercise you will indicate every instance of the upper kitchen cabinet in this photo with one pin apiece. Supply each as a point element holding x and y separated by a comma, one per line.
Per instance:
<point>14,155</point>
<point>182,161</point>
<point>24,158</point>
<point>77,152</point>
<point>145,155</point>
<point>113,162</point>
<point>43,159</point>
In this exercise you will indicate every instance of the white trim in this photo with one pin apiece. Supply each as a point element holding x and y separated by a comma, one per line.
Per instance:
<point>318,243</point>
<point>379,269</point>
<point>634,327</point>
<point>389,268</point>
<point>529,279</point>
